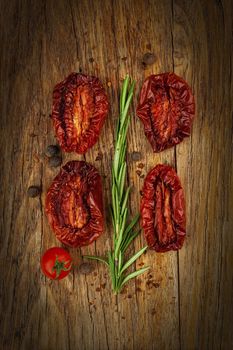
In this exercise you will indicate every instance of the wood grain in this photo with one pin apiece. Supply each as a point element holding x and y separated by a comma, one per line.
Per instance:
<point>203,55</point>
<point>185,301</point>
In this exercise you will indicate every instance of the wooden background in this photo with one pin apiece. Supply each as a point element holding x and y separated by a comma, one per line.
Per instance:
<point>186,300</point>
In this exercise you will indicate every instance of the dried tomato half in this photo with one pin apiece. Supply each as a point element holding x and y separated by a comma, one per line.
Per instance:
<point>166,108</point>
<point>74,204</point>
<point>163,209</point>
<point>80,106</point>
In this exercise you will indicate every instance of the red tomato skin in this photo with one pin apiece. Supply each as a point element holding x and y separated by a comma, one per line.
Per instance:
<point>48,261</point>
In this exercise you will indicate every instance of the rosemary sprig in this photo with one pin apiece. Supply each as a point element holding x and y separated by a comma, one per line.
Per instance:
<point>124,232</point>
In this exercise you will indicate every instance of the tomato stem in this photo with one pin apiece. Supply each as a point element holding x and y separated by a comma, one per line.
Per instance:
<point>59,266</point>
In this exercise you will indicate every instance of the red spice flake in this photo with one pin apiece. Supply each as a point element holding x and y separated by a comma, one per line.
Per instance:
<point>153,312</point>
<point>124,291</point>
<point>99,156</point>
<point>148,283</point>
<point>98,289</point>
<point>141,165</point>
<point>36,158</point>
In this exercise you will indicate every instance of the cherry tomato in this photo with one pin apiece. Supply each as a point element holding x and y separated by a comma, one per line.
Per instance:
<point>56,263</point>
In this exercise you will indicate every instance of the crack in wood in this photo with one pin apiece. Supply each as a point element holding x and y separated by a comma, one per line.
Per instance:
<point>74,29</point>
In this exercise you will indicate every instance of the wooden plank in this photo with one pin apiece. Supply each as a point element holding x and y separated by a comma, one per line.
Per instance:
<point>203,56</point>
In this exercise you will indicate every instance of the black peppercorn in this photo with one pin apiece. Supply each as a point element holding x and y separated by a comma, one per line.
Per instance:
<point>55,161</point>
<point>86,268</point>
<point>148,58</point>
<point>33,191</point>
<point>136,156</point>
<point>52,150</point>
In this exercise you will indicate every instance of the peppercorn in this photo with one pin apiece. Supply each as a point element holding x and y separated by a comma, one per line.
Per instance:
<point>33,191</point>
<point>135,156</point>
<point>55,161</point>
<point>86,268</point>
<point>149,58</point>
<point>52,150</point>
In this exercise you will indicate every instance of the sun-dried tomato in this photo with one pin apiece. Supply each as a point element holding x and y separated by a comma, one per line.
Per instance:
<point>80,106</point>
<point>163,209</point>
<point>74,204</point>
<point>166,108</point>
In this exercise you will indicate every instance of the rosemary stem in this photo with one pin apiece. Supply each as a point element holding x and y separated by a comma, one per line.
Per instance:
<point>123,230</point>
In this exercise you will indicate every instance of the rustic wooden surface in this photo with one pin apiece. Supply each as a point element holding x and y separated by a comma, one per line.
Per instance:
<point>185,301</point>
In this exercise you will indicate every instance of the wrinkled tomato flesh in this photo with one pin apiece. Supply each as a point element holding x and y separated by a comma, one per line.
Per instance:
<point>80,107</point>
<point>163,209</point>
<point>166,108</point>
<point>74,204</point>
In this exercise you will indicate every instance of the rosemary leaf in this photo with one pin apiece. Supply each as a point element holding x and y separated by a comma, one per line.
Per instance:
<point>132,224</point>
<point>119,180</point>
<point>134,274</point>
<point>112,269</point>
<point>93,257</point>
<point>125,198</point>
<point>128,240</point>
<point>134,258</point>
<point>123,94</point>
<point>121,187</point>
<point>127,104</point>
<point>119,262</point>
